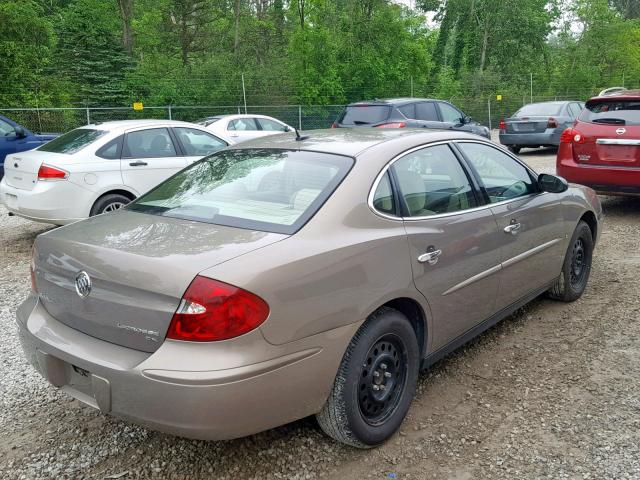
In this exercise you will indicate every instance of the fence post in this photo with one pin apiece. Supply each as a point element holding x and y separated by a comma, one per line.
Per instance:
<point>88,117</point>
<point>169,108</point>
<point>299,117</point>
<point>489,111</point>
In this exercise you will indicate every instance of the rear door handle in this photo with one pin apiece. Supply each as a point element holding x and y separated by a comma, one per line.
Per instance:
<point>430,256</point>
<point>513,229</point>
<point>139,163</point>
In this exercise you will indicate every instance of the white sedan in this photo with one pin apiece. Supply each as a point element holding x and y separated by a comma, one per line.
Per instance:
<point>244,127</point>
<point>100,168</point>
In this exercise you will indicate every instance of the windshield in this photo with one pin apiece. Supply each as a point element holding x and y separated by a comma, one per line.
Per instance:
<point>72,141</point>
<point>539,109</point>
<point>205,122</point>
<point>365,114</point>
<point>259,189</point>
<point>614,112</point>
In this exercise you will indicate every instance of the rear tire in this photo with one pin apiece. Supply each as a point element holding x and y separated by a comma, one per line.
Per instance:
<point>514,149</point>
<point>376,382</point>
<point>109,203</point>
<point>576,267</point>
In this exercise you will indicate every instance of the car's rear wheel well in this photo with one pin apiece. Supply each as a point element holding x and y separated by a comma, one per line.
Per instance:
<point>126,193</point>
<point>414,313</point>
<point>590,219</point>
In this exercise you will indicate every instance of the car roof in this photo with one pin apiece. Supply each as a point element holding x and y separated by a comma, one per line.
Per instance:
<point>621,95</point>
<point>394,101</point>
<point>353,141</point>
<point>128,124</point>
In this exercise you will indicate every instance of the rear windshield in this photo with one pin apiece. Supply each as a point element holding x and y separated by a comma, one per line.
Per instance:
<point>365,114</point>
<point>539,109</point>
<point>259,189</point>
<point>72,141</point>
<point>612,112</point>
<point>205,122</point>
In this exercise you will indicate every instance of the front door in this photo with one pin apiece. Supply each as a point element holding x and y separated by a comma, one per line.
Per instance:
<point>149,156</point>
<point>453,118</point>
<point>531,223</point>
<point>454,250</point>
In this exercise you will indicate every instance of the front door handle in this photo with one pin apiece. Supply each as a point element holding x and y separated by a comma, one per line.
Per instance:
<point>430,256</point>
<point>513,229</point>
<point>139,163</point>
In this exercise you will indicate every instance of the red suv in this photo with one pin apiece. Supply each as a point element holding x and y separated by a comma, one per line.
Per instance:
<point>602,149</point>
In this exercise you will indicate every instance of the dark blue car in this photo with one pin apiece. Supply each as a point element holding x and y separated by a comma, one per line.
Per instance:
<point>15,138</point>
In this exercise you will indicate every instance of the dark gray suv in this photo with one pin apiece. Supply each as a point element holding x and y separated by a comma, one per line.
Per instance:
<point>409,113</point>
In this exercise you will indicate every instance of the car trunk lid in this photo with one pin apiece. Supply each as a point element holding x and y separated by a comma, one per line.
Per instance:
<point>21,169</point>
<point>536,124</point>
<point>607,145</point>
<point>139,266</point>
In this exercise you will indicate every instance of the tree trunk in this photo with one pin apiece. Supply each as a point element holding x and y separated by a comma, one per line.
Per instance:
<point>485,42</point>
<point>236,14</point>
<point>126,13</point>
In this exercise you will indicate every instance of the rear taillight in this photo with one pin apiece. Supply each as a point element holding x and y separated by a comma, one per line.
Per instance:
<point>552,123</point>
<point>211,310</point>
<point>502,125</point>
<point>334,125</point>
<point>47,172</point>
<point>32,270</point>
<point>392,125</point>
<point>571,135</point>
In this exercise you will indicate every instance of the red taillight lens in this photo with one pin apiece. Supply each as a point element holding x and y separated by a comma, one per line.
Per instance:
<point>571,135</point>
<point>502,125</point>
<point>47,172</point>
<point>552,123</point>
<point>334,125</point>
<point>392,125</point>
<point>211,310</point>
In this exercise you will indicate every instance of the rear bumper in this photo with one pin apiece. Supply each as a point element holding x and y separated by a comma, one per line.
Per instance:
<point>210,404</point>
<point>549,137</point>
<point>58,203</point>
<point>605,180</point>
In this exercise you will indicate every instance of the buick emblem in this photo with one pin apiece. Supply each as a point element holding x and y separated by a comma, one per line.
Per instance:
<point>83,284</point>
<point>621,131</point>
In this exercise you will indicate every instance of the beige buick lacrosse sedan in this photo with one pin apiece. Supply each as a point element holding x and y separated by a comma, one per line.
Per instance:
<point>294,276</point>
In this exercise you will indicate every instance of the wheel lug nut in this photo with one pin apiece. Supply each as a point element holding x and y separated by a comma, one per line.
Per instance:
<point>383,366</point>
<point>376,374</point>
<point>376,387</point>
<point>382,387</point>
<point>387,374</point>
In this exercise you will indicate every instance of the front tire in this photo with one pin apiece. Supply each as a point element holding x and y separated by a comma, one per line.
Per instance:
<point>514,149</point>
<point>376,382</point>
<point>576,267</point>
<point>109,203</point>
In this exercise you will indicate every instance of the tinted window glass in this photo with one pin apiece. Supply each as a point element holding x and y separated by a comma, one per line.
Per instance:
<point>151,143</point>
<point>111,150</point>
<point>408,111</point>
<point>365,114</point>
<point>449,114</point>
<point>542,109</point>
<point>5,128</point>
<point>197,143</point>
<point>72,141</point>
<point>271,126</point>
<point>431,181</point>
<point>208,121</point>
<point>242,124</point>
<point>383,196</point>
<point>613,112</point>
<point>268,190</point>
<point>427,111</point>
<point>502,176</point>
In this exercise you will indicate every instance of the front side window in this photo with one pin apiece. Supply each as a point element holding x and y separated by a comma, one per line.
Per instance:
<point>450,114</point>
<point>150,143</point>
<point>5,129</point>
<point>197,143</point>
<point>383,199</point>
<point>427,111</point>
<point>73,141</point>
<point>502,176</point>
<point>432,181</point>
<point>243,124</point>
<point>272,126</point>
<point>260,189</point>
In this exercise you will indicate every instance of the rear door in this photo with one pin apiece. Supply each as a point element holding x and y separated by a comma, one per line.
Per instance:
<point>531,224</point>
<point>454,248</point>
<point>270,127</point>
<point>427,115</point>
<point>149,156</point>
<point>610,133</point>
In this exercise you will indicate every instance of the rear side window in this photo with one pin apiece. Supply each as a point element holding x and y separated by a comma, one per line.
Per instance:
<point>539,109</point>
<point>259,189</point>
<point>150,143</point>
<point>271,126</point>
<point>111,150</point>
<point>408,111</point>
<point>612,112</point>
<point>427,111</point>
<point>73,141</point>
<point>383,199</point>
<point>197,143</point>
<point>365,114</point>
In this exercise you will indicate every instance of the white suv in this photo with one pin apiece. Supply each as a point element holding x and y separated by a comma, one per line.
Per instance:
<point>99,168</point>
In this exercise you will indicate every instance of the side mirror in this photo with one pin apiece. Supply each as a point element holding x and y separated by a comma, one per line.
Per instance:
<point>552,183</point>
<point>20,132</point>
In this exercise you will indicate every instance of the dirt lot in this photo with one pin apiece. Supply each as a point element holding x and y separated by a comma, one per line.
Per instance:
<point>551,392</point>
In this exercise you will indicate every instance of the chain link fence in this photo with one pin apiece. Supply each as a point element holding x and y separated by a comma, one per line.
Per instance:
<point>487,111</point>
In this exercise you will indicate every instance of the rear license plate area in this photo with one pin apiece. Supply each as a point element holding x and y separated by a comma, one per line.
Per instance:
<point>525,127</point>
<point>618,153</point>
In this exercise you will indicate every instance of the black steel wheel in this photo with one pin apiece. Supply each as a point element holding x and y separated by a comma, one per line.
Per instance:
<point>576,268</point>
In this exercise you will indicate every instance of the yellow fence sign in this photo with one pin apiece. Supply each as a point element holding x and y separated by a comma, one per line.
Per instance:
<point>138,106</point>
<point>499,98</point>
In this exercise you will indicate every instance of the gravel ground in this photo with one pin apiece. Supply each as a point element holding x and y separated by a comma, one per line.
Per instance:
<point>551,392</point>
